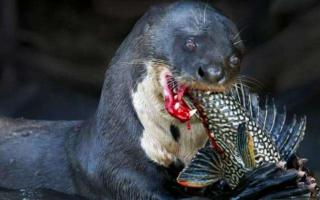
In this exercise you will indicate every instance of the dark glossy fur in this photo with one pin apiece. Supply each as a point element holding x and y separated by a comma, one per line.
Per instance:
<point>32,154</point>
<point>101,158</point>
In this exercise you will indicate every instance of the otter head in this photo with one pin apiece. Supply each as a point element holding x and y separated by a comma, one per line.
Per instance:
<point>197,48</point>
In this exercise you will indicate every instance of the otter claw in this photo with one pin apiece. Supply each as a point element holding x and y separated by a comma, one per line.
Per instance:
<point>301,174</point>
<point>281,164</point>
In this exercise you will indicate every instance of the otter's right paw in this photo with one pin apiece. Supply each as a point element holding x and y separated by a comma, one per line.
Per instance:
<point>272,181</point>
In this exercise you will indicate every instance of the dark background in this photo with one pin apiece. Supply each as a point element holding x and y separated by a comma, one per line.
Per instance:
<point>53,55</point>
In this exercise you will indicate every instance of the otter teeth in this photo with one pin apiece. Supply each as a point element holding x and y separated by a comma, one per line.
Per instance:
<point>192,112</point>
<point>177,105</point>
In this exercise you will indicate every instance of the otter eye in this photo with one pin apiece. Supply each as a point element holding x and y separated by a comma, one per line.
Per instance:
<point>191,44</point>
<point>234,61</point>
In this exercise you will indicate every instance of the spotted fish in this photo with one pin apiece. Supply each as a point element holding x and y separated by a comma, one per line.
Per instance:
<point>245,136</point>
<point>210,166</point>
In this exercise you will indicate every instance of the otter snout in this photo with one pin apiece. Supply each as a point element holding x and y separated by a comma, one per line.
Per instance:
<point>211,74</point>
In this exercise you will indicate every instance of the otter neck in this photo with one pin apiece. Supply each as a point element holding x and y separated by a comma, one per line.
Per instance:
<point>164,138</point>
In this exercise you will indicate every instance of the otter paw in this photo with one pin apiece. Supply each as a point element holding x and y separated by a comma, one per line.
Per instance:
<point>272,181</point>
<point>295,162</point>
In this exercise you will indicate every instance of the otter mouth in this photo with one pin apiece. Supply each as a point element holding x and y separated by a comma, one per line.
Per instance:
<point>174,102</point>
<point>177,99</point>
<point>180,104</point>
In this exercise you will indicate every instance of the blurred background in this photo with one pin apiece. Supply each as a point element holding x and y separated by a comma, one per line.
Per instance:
<point>53,55</point>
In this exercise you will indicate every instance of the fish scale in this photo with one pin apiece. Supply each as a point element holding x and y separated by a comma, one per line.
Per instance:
<point>224,109</point>
<point>247,134</point>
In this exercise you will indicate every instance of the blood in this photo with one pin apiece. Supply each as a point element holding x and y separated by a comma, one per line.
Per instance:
<point>176,106</point>
<point>188,125</point>
<point>215,145</point>
<point>181,112</point>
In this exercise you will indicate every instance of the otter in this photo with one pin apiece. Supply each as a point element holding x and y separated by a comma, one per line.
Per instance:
<point>137,141</point>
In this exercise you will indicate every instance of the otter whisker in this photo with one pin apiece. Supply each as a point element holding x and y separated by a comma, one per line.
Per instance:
<point>197,22</point>
<point>204,13</point>
<point>251,81</point>
<point>238,34</point>
<point>237,42</point>
<point>249,85</point>
<point>242,83</point>
<point>130,63</point>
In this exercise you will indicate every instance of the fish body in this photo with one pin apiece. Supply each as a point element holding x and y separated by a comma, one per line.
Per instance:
<point>224,114</point>
<point>247,135</point>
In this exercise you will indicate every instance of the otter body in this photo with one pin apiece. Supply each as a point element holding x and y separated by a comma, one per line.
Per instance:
<point>32,154</point>
<point>132,148</point>
<point>119,153</point>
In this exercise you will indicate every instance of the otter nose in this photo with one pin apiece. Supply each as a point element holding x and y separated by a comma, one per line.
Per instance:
<point>212,74</point>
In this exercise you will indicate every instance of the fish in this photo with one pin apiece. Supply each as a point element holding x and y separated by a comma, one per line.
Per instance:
<point>243,135</point>
<point>209,166</point>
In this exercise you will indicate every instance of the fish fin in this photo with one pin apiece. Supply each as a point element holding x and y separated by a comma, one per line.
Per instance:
<point>204,169</point>
<point>248,100</point>
<point>245,146</point>
<point>293,137</point>
<point>265,117</point>
<point>286,135</point>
